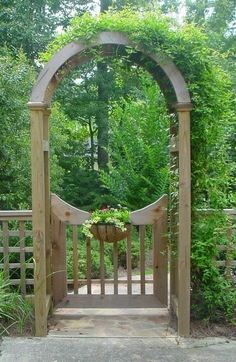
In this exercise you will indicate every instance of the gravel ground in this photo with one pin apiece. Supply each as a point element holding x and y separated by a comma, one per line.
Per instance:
<point>52,349</point>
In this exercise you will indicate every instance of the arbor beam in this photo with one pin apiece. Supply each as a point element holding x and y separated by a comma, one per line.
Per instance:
<point>48,244</point>
<point>184,239</point>
<point>38,220</point>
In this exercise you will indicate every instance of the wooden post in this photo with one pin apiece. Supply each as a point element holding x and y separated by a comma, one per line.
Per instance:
<point>184,240</point>
<point>173,226</point>
<point>38,207</point>
<point>48,244</point>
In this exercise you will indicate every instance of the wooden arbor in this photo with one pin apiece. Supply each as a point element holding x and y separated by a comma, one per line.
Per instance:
<point>66,59</point>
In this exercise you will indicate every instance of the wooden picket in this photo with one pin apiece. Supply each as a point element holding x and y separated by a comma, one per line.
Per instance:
<point>76,283</point>
<point>75,258</point>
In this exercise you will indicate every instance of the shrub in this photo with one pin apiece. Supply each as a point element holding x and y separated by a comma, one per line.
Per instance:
<point>14,310</point>
<point>213,297</point>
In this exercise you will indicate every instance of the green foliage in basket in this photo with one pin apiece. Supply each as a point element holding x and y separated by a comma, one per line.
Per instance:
<point>118,217</point>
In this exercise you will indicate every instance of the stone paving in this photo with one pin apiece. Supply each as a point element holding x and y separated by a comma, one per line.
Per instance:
<point>141,322</point>
<point>122,288</point>
<point>111,322</point>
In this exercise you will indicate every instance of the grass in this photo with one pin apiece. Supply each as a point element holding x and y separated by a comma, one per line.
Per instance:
<point>148,271</point>
<point>15,312</point>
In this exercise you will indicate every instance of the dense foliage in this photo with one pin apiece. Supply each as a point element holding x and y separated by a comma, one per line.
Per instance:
<point>138,147</point>
<point>134,102</point>
<point>213,297</point>
<point>17,76</point>
<point>29,25</point>
<point>16,80</point>
<point>212,121</point>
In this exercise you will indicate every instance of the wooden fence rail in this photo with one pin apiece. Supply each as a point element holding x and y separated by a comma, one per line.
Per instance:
<point>16,255</point>
<point>16,249</point>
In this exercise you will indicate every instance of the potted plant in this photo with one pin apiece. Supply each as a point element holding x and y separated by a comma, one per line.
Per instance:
<point>108,224</point>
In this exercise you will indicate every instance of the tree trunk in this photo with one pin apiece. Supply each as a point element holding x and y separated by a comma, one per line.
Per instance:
<point>92,145</point>
<point>104,5</point>
<point>102,114</point>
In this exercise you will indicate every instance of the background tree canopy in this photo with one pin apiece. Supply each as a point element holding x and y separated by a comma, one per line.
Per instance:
<point>99,86</point>
<point>83,147</point>
<point>31,25</point>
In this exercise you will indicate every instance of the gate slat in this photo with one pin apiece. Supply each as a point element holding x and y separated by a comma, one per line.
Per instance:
<point>88,257</point>
<point>75,258</point>
<point>22,257</point>
<point>129,265</point>
<point>59,270</point>
<point>5,233</point>
<point>142,230</point>
<point>102,269</point>
<point>115,266</point>
<point>160,259</point>
<point>228,260</point>
<point>155,233</point>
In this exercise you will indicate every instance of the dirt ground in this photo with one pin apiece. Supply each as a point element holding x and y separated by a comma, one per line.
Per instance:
<point>200,329</point>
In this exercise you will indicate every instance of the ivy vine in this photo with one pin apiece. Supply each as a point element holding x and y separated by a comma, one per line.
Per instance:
<point>212,122</point>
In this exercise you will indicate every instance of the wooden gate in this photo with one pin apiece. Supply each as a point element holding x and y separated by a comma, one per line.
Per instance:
<point>99,291</point>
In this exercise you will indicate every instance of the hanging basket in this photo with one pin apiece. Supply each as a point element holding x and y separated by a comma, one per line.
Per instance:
<point>109,233</point>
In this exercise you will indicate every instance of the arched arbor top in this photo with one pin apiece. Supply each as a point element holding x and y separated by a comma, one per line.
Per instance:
<point>74,54</point>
